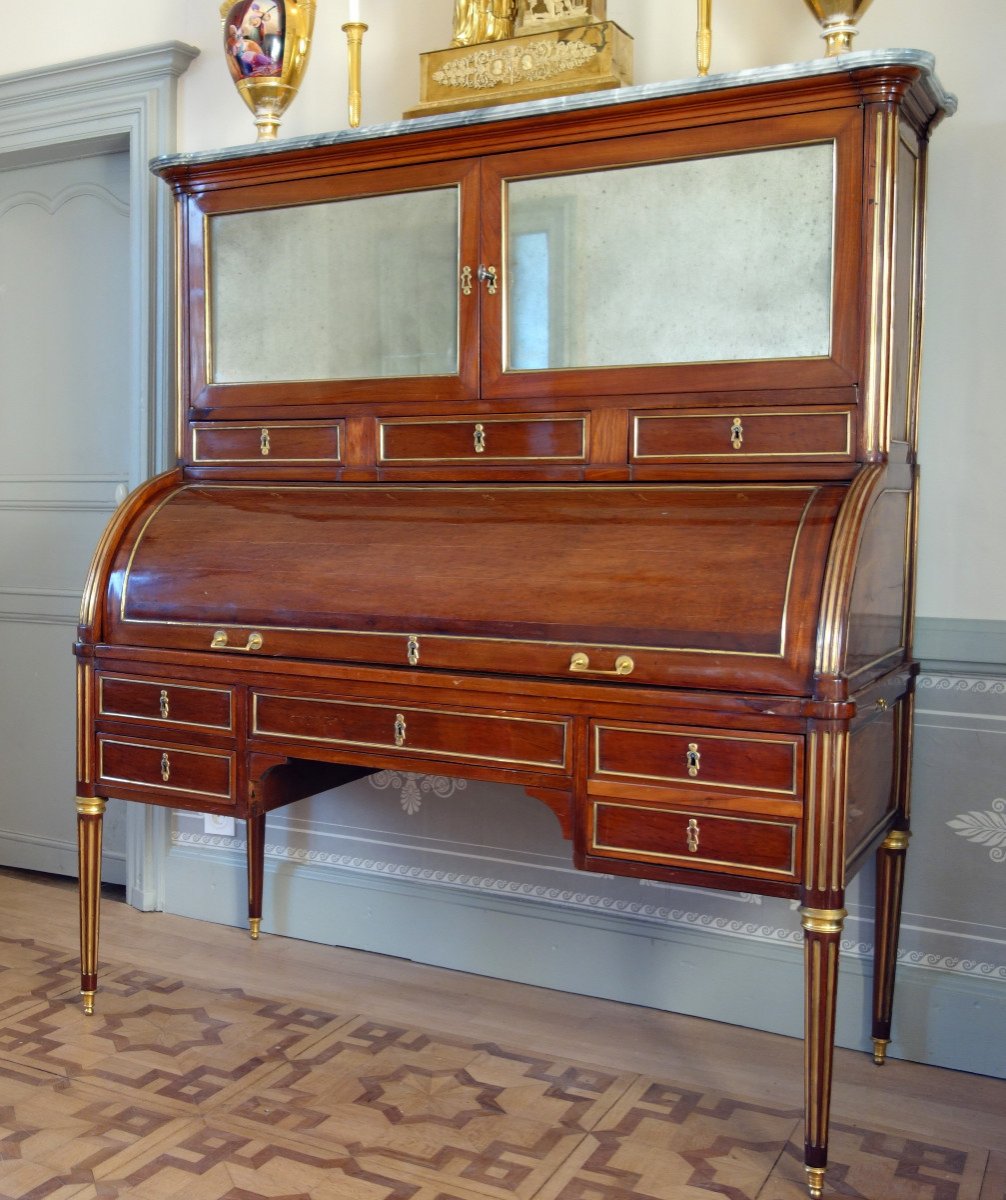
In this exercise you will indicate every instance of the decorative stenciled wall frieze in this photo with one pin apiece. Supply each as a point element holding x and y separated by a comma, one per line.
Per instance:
<point>582,901</point>
<point>979,686</point>
<point>986,829</point>
<point>412,787</point>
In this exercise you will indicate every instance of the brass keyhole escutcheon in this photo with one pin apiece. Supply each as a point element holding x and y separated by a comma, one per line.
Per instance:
<point>693,759</point>
<point>479,439</point>
<point>466,281</point>
<point>165,767</point>
<point>412,650</point>
<point>264,443</point>
<point>692,834</point>
<point>399,729</point>
<point>737,433</point>
<point>165,704</point>
<point>490,277</point>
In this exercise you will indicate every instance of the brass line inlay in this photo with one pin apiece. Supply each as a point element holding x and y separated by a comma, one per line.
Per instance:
<point>483,455</point>
<point>170,686</point>
<point>636,851</point>
<point>739,452</point>
<point>569,646</point>
<point>259,430</point>
<point>701,736</point>
<point>400,710</point>
<point>163,786</point>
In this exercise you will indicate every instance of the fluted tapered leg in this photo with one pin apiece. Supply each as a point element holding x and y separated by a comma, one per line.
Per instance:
<point>890,888</point>
<point>256,870</point>
<point>90,816</point>
<point>822,930</point>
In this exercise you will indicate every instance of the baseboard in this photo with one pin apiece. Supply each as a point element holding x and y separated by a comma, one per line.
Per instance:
<point>50,856</point>
<point>941,1018</point>
<point>942,643</point>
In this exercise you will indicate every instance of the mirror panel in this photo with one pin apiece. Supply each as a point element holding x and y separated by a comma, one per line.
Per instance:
<point>699,260</point>
<point>360,288</point>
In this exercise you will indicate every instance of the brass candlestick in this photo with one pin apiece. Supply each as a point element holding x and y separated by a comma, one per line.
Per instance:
<point>838,19</point>
<point>354,31</point>
<point>704,36</point>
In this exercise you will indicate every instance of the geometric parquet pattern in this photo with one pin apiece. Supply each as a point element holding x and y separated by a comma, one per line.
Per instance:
<point>179,1091</point>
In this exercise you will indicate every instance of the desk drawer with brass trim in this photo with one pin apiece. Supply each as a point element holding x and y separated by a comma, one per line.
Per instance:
<point>167,702</point>
<point>694,837</point>
<point>724,435</point>
<point>304,442</point>
<point>655,755</point>
<point>406,442</point>
<point>506,740</point>
<point>167,769</point>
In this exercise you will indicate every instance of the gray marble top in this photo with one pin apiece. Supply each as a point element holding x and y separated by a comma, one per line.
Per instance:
<point>839,65</point>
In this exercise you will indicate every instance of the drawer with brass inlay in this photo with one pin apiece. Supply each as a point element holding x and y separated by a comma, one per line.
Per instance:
<point>655,755</point>
<point>687,436</point>
<point>406,441</point>
<point>694,837</point>
<point>167,702</point>
<point>507,740</point>
<point>303,442</point>
<point>166,768</point>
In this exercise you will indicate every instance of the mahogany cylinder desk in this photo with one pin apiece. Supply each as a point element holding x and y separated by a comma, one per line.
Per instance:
<point>571,445</point>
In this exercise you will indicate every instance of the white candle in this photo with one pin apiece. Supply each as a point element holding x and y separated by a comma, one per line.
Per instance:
<point>354,12</point>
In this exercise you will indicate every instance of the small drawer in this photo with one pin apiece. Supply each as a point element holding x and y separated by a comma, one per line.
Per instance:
<point>727,435</point>
<point>510,741</point>
<point>166,702</point>
<point>167,769</point>
<point>657,755</point>
<point>303,442</point>
<point>696,838</point>
<point>405,441</point>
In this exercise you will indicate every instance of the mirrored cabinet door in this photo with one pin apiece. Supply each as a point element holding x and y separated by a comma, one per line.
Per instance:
<point>348,294</point>
<point>647,275</point>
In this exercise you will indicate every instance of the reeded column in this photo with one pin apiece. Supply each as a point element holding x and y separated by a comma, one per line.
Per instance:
<point>822,930</point>
<point>887,921</point>
<point>90,816</point>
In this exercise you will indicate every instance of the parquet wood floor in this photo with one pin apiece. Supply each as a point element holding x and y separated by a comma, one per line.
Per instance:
<point>216,1068</point>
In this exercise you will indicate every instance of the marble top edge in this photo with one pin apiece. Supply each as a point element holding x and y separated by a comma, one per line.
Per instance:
<point>752,76</point>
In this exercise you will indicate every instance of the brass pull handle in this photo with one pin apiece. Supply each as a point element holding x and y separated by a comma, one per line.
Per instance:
<point>489,276</point>
<point>624,665</point>
<point>165,704</point>
<point>219,642</point>
<point>412,649</point>
<point>479,439</point>
<point>693,759</point>
<point>263,443</point>
<point>165,767</point>
<point>399,729</point>
<point>692,835</point>
<point>737,433</point>
<point>466,281</point>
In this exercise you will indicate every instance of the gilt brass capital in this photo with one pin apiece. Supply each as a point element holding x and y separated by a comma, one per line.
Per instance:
<point>90,806</point>
<point>823,920</point>
<point>897,839</point>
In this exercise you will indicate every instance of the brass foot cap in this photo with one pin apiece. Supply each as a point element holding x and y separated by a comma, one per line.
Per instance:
<point>88,998</point>
<point>880,1050</point>
<point>254,927</point>
<point>815,1182</point>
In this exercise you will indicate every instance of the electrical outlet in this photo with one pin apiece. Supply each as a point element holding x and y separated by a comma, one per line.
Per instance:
<point>224,826</point>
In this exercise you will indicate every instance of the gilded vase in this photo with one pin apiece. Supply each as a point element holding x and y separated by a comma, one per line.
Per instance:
<point>267,43</point>
<point>838,19</point>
